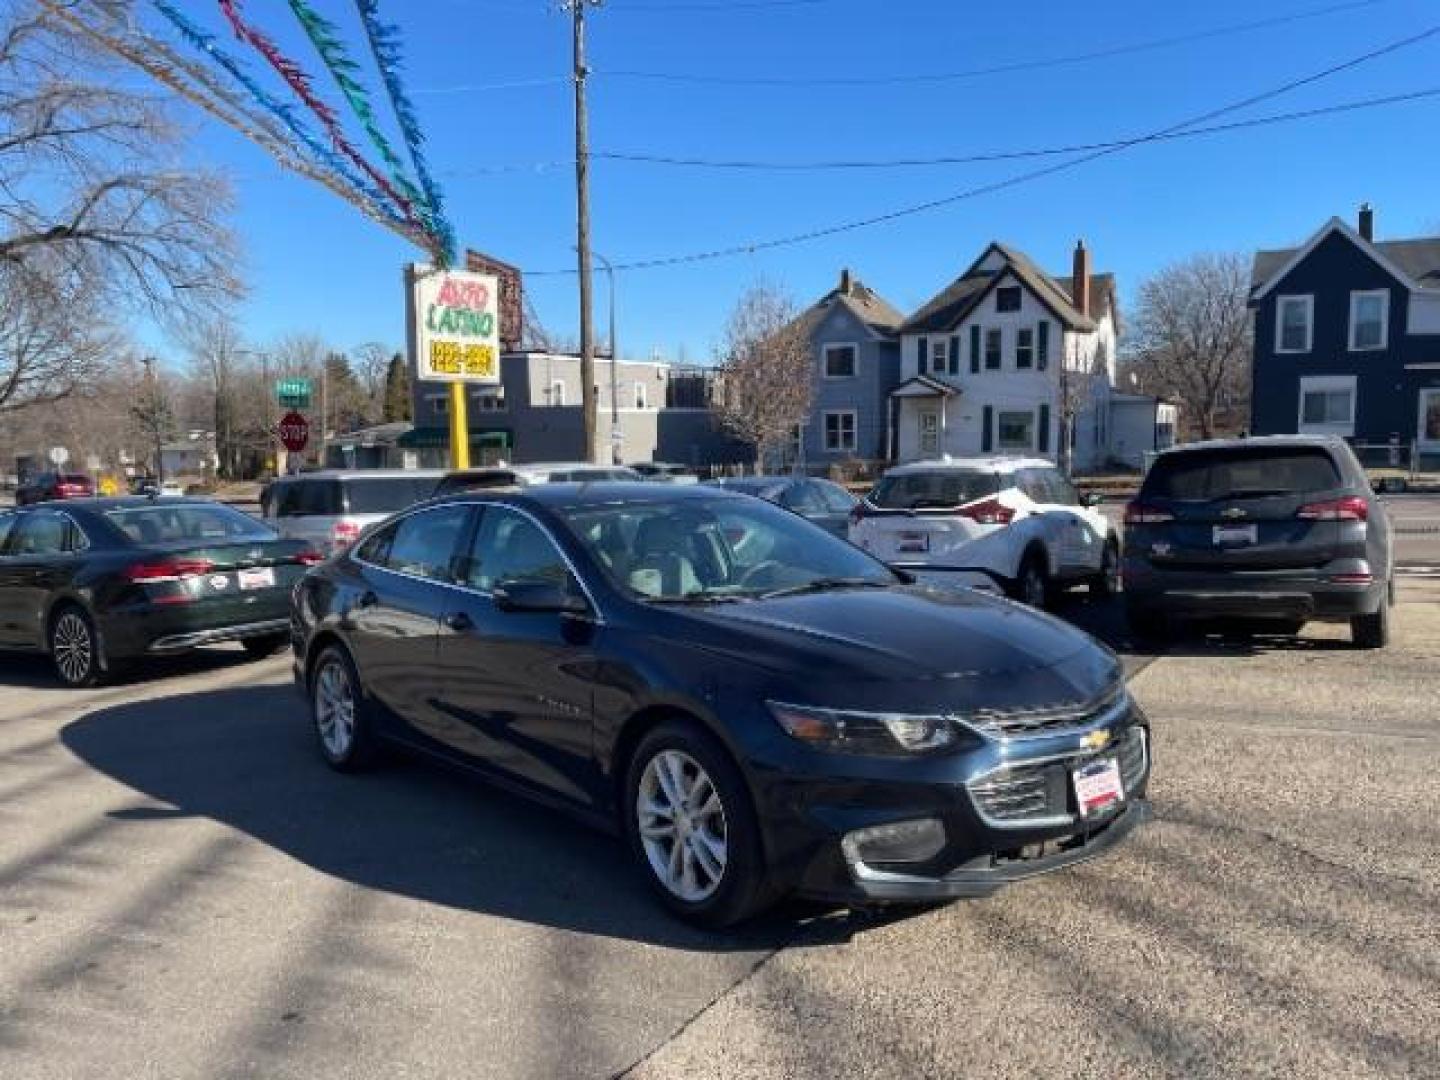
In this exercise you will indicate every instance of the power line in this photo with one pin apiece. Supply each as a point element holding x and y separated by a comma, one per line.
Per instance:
<point>1024,177</point>
<point>994,69</point>
<point>998,155</point>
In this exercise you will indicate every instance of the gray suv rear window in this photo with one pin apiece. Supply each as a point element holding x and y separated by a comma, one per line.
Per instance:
<point>950,487</point>
<point>1205,475</point>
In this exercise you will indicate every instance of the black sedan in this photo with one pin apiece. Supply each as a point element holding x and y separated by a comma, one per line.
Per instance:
<point>101,582</point>
<point>826,504</point>
<point>758,707</point>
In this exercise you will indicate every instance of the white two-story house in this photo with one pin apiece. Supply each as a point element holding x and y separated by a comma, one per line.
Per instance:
<point>1009,360</point>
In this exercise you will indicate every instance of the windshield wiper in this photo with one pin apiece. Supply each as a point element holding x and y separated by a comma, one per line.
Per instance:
<point>826,584</point>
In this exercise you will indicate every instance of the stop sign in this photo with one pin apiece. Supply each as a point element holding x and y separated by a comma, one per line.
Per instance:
<point>294,432</point>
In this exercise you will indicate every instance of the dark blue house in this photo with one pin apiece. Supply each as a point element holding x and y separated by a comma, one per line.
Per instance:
<point>1347,338</point>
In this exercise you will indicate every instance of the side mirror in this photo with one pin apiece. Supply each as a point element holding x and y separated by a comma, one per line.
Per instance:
<point>1091,498</point>
<point>538,594</point>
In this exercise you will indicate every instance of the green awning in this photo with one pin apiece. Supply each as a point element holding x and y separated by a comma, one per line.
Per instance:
<point>438,438</point>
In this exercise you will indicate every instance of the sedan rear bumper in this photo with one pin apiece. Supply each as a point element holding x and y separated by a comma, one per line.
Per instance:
<point>196,638</point>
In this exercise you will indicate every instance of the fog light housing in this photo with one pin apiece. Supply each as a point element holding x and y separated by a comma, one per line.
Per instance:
<point>900,842</point>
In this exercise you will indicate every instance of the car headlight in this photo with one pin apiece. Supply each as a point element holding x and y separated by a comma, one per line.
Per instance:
<point>852,732</point>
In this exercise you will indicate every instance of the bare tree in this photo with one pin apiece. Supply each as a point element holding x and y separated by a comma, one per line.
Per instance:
<point>219,363</point>
<point>154,417</point>
<point>765,384</point>
<point>94,215</point>
<point>371,365</point>
<point>1191,340</point>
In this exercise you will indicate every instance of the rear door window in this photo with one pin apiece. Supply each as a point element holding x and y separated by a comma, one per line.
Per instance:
<point>423,544</point>
<point>43,534</point>
<point>940,489</point>
<point>1249,472</point>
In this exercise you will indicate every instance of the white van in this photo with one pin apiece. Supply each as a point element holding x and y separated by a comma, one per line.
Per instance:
<point>329,509</point>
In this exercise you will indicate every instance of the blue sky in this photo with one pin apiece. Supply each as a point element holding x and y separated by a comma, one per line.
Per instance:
<point>317,266</point>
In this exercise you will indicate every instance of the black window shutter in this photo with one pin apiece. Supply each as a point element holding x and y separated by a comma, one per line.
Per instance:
<point>954,354</point>
<point>1042,346</point>
<point>987,437</point>
<point>1043,437</point>
<point>924,354</point>
<point>974,350</point>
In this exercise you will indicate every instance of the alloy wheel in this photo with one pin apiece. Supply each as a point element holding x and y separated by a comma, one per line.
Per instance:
<point>72,647</point>
<point>682,825</point>
<point>335,709</point>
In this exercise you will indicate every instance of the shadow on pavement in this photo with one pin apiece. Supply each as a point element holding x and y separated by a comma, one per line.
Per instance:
<point>244,757</point>
<point>32,671</point>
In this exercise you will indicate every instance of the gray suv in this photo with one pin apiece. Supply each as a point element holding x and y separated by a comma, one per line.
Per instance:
<point>1284,529</point>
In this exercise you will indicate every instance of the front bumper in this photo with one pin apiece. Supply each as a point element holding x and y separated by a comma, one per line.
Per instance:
<point>993,835</point>
<point>1265,594</point>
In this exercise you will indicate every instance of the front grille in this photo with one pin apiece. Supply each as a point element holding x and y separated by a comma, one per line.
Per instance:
<point>1040,793</point>
<point>1048,720</point>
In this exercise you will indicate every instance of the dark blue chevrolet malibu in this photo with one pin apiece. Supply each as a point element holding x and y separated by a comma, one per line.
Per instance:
<point>757,707</point>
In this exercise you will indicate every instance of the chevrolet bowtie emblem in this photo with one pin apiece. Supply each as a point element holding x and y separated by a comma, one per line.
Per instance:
<point>1232,512</point>
<point>1095,740</point>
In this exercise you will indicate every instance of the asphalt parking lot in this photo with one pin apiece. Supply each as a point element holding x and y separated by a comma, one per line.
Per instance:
<point>186,891</point>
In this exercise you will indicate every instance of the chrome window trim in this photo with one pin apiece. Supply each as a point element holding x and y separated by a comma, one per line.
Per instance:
<point>468,590</point>
<point>20,513</point>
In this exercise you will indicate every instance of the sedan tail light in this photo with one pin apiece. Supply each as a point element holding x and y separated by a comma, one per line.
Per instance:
<point>343,534</point>
<point>989,512</point>
<point>151,573</point>
<point>1350,508</point>
<point>1139,514</point>
<point>310,557</point>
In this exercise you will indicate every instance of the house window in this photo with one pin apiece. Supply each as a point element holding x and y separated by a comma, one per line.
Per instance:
<point>930,433</point>
<point>1369,313</point>
<point>938,354</point>
<point>840,431</point>
<point>1327,405</point>
<point>992,350</point>
<point>839,361</point>
<point>640,398</point>
<point>494,401</point>
<point>1294,324</point>
<point>439,404</point>
<point>1007,298</point>
<point>1025,348</point>
<point>1015,430</point>
<point>555,395</point>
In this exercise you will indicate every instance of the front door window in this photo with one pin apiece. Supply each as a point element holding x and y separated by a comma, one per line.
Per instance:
<point>929,432</point>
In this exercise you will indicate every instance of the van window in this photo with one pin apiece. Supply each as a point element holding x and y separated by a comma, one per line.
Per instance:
<point>385,494</point>
<point>308,498</point>
<point>1252,471</point>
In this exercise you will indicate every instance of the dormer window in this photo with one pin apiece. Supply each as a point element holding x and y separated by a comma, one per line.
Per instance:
<point>1007,298</point>
<point>1294,324</point>
<point>1369,313</point>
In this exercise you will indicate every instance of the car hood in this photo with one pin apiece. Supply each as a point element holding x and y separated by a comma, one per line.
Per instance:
<point>845,643</point>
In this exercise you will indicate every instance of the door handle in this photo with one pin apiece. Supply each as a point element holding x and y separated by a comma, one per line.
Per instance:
<point>460,622</point>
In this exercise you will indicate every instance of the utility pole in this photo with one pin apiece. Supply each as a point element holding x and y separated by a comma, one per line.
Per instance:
<point>582,225</point>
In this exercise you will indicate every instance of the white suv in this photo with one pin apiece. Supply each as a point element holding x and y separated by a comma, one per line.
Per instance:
<point>1018,521</point>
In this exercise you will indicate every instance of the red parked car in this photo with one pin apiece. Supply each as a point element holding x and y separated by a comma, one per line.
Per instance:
<point>43,487</point>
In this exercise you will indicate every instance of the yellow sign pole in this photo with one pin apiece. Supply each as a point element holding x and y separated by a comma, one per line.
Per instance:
<point>459,428</point>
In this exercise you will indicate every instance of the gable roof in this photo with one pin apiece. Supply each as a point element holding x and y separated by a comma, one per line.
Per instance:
<point>948,308</point>
<point>869,307</point>
<point>1415,263</point>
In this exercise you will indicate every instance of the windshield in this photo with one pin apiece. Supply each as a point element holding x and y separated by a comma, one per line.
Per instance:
<point>1205,475</point>
<point>717,549</point>
<point>950,487</point>
<point>164,524</point>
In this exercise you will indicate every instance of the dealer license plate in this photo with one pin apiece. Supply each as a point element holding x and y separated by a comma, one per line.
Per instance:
<point>1097,786</point>
<point>1234,535</point>
<point>914,543</point>
<point>260,577</point>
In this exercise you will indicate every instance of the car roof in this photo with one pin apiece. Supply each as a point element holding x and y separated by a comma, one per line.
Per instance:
<point>362,474</point>
<point>991,463</point>
<point>1328,442</point>
<point>106,503</point>
<point>595,493</point>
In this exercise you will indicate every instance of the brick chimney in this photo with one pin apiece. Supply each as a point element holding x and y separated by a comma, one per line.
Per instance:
<point>1367,221</point>
<point>1080,279</point>
<point>846,282</point>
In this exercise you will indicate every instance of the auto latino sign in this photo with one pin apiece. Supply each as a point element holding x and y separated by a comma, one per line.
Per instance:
<point>455,325</point>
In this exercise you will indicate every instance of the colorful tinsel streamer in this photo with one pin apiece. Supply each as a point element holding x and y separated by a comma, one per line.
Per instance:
<point>385,47</point>
<point>205,42</point>
<point>300,83</point>
<point>323,36</point>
